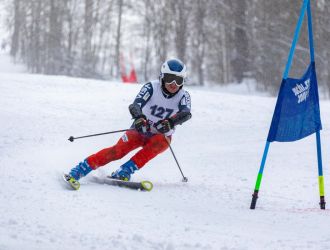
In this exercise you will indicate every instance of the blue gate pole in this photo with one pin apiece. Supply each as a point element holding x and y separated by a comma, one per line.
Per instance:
<point>285,76</point>
<point>310,32</point>
<point>319,160</point>
<point>258,181</point>
<point>295,39</point>
<point>318,137</point>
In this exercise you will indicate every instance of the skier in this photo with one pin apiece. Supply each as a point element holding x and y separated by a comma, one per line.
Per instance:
<point>160,105</point>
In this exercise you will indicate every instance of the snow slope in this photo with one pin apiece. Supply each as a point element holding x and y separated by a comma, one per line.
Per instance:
<point>219,151</point>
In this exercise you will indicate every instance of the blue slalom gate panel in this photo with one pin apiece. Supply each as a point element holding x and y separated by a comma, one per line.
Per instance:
<point>297,111</point>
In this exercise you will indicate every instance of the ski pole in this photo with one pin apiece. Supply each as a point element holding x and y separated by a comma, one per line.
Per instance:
<point>185,179</point>
<point>71,138</point>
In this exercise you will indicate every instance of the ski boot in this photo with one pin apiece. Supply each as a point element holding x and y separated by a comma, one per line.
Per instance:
<point>125,171</point>
<point>81,170</point>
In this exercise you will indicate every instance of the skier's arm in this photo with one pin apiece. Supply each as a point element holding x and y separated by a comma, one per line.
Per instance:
<point>184,113</point>
<point>135,109</point>
<point>179,118</point>
<point>141,99</point>
<point>164,126</point>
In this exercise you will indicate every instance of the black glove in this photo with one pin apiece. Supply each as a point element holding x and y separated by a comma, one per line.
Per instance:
<point>141,124</point>
<point>164,126</point>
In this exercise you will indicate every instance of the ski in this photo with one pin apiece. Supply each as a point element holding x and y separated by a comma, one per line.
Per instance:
<point>71,182</point>
<point>143,185</point>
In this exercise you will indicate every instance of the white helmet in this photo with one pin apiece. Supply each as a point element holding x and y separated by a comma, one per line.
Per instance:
<point>174,67</point>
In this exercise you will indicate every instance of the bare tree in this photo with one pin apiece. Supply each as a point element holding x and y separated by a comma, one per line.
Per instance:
<point>199,38</point>
<point>18,14</point>
<point>120,12</point>
<point>181,14</point>
<point>221,41</point>
<point>55,53</point>
<point>240,40</point>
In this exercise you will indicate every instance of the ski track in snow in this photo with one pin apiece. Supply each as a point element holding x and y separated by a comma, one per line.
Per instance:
<point>219,151</point>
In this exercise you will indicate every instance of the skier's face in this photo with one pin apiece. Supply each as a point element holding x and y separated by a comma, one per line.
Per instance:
<point>172,87</point>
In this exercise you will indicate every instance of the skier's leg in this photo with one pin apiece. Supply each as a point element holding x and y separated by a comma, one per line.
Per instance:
<point>128,142</point>
<point>153,146</point>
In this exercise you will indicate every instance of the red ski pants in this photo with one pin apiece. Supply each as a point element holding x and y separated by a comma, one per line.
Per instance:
<point>151,146</point>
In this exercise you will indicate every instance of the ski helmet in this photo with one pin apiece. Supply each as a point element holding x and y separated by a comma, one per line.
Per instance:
<point>173,70</point>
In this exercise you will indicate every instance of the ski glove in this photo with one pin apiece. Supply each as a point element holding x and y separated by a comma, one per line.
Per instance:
<point>164,126</point>
<point>141,124</point>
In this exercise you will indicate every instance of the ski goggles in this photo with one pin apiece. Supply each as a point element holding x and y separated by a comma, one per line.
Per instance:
<point>169,78</point>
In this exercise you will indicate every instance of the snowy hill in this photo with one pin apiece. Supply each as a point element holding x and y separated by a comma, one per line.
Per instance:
<point>219,151</point>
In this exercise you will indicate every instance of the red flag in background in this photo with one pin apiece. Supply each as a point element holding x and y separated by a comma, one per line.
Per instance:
<point>127,78</point>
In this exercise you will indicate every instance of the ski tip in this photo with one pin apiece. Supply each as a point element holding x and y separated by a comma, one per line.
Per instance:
<point>71,182</point>
<point>147,185</point>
